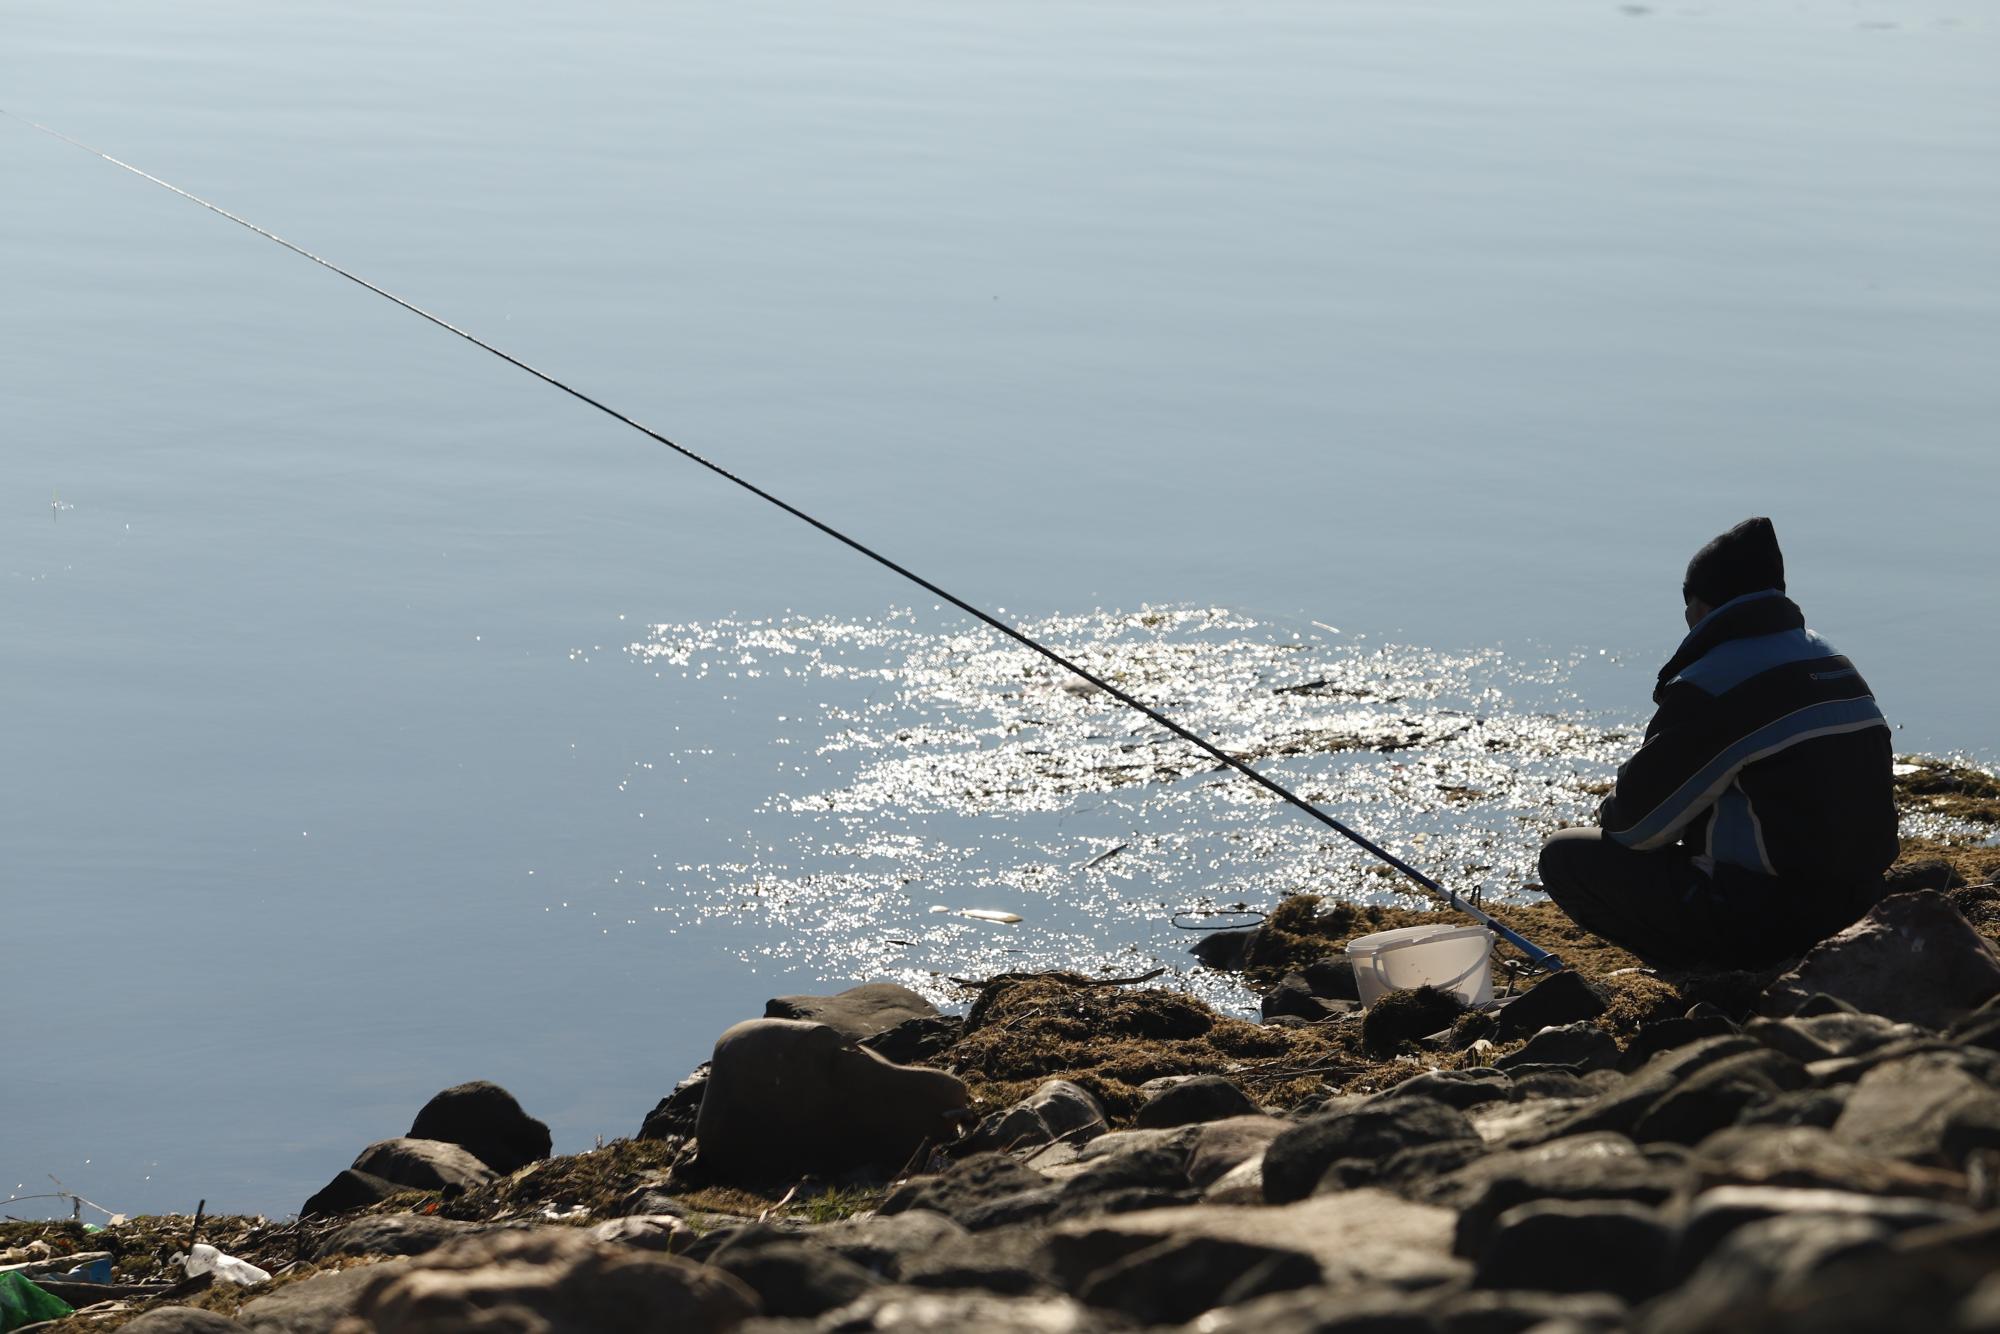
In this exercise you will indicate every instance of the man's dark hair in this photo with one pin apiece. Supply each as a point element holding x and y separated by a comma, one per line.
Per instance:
<point>1743,560</point>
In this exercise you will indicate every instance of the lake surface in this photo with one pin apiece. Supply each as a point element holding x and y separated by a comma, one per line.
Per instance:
<point>378,718</point>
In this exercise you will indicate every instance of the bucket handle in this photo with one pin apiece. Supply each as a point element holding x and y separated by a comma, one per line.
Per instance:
<point>1375,962</point>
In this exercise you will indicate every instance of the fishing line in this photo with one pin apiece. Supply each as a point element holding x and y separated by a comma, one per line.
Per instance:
<point>1535,954</point>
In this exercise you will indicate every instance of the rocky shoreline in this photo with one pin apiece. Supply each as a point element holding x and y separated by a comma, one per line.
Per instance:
<point>1612,1148</point>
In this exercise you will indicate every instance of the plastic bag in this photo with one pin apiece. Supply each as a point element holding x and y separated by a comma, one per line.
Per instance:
<point>22,1303</point>
<point>204,1259</point>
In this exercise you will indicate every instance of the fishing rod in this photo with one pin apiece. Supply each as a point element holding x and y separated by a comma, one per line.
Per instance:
<point>1535,954</point>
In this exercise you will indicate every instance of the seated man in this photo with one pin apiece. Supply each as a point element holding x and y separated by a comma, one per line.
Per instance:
<point>1757,818</point>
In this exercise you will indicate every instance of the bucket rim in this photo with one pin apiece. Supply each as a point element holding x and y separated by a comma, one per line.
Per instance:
<point>1394,939</point>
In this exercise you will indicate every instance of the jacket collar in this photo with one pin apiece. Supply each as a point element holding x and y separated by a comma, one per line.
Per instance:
<point>1764,613</point>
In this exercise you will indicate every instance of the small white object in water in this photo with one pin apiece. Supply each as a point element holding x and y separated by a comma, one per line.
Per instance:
<point>1905,770</point>
<point>990,915</point>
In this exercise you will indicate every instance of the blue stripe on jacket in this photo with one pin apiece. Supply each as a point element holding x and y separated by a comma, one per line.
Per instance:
<point>1735,836</point>
<point>1731,663</point>
<point>1663,823</point>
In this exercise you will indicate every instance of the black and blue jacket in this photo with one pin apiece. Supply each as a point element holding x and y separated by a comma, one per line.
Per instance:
<point>1768,756</point>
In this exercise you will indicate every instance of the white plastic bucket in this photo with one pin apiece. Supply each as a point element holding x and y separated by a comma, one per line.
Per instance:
<point>1451,958</point>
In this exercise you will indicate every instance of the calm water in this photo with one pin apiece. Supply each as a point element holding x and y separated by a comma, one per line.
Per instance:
<point>378,718</point>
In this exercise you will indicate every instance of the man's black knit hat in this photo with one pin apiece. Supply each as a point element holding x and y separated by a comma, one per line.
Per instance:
<point>1743,560</point>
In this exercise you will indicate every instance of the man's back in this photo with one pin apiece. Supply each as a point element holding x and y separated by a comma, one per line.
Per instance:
<point>1768,754</point>
<point>1758,816</point>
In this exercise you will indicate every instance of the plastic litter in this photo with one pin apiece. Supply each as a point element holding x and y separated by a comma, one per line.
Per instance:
<point>22,1303</point>
<point>205,1259</point>
<point>1451,958</point>
<point>990,915</point>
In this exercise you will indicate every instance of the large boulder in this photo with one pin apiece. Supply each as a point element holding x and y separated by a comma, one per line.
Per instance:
<point>856,1013</point>
<point>485,1120</point>
<point>552,1281</point>
<point>786,1098</point>
<point>424,1164</point>
<point>349,1190</point>
<point>1913,958</point>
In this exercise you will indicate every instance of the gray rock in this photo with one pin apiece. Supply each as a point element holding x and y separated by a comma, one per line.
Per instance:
<point>1177,1278</point>
<point>1715,1214</point>
<point>1811,1158</point>
<point>551,1281</point>
<point>348,1191</point>
<point>1418,1163</point>
<point>1462,1089</point>
<point>1547,1083</point>
<point>649,1232</point>
<point>1058,1111</point>
<point>918,1041</point>
<point>183,1320</point>
<point>1012,1262</point>
<point>1223,1146</point>
<point>1345,1310</point>
<point>1774,1256</point>
<point>1241,1184</point>
<point>787,1098</point>
<point>746,1236</point>
<point>1332,978</point>
<point>1297,1159</point>
<point>1925,1108</point>
<point>1490,1312</point>
<point>1670,1034</point>
<point>915,1311</point>
<point>675,1115</point>
<point>1149,1166</point>
<point>1913,958</point>
<point>889,1245</point>
<point>1564,998</point>
<point>1621,1108</point>
<point>1226,951</point>
<point>1582,1046</point>
<point>1203,1098</point>
<point>424,1164</point>
<point>1293,998</point>
<point>1592,1168</point>
<point>393,1234</point>
<point>1610,1246</point>
<point>487,1122</point>
<point>965,1186</point>
<point>856,1013</point>
<point>1365,1236</point>
<point>1716,1095</point>
<point>1829,1036</point>
<point>1818,1108</point>
<point>315,1305</point>
<point>794,1278</point>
